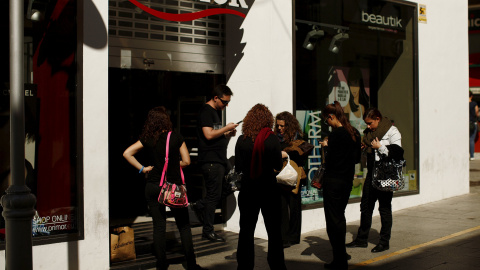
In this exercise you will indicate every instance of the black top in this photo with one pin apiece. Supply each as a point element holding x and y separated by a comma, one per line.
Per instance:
<point>343,154</point>
<point>472,115</point>
<point>215,150</point>
<point>156,155</point>
<point>272,160</point>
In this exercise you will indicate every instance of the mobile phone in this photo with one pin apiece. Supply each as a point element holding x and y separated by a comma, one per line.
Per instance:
<point>238,123</point>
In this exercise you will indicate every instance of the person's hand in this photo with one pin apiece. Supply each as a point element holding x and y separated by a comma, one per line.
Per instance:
<point>231,133</point>
<point>376,143</point>
<point>231,126</point>
<point>284,154</point>
<point>324,142</point>
<point>363,146</point>
<point>147,169</point>
<point>231,130</point>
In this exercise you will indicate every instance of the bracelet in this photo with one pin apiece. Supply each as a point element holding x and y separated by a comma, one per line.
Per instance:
<point>141,169</point>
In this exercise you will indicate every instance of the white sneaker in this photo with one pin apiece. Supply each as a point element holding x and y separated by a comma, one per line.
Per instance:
<point>472,158</point>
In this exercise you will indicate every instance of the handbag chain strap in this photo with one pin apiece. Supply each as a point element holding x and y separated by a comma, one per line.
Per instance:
<point>166,162</point>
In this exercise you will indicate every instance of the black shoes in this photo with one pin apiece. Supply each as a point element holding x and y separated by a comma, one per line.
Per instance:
<point>356,243</point>
<point>380,248</point>
<point>198,212</point>
<point>213,237</point>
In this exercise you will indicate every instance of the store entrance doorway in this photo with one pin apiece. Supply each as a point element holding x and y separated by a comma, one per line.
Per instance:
<point>132,93</point>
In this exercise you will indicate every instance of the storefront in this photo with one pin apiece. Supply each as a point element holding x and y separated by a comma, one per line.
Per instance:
<point>474,54</point>
<point>94,68</point>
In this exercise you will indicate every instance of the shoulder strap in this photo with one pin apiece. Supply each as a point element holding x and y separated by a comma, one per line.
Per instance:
<point>166,159</point>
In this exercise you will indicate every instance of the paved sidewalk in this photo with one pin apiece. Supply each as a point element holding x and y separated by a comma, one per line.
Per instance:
<point>439,235</point>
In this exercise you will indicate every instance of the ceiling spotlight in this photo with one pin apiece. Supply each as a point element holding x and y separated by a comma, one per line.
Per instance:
<point>337,42</point>
<point>36,10</point>
<point>311,38</point>
<point>36,15</point>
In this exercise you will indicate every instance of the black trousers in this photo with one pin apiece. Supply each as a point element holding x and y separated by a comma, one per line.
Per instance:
<point>336,193</point>
<point>158,213</point>
<point>250,203</point>
<point>213,174</point>
<point>369,196</point>
<point>291,216</point>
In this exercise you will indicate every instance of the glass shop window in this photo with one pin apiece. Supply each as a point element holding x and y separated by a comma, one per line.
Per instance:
<point>52,141</point>
<point>361,53</point>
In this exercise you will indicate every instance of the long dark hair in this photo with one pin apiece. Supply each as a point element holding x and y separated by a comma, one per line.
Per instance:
<point>157,122</point>
<point>292,127</point>
<point>336,109</point>
<point>258,117</point>
<point>355,74</point>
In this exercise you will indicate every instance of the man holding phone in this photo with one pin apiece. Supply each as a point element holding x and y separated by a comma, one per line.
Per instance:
<point>212,155</point>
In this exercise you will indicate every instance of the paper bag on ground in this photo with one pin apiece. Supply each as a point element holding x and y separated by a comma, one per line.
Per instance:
<point>122,244</point>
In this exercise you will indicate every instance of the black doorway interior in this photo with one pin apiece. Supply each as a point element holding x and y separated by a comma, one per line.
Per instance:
<point>132,93</point>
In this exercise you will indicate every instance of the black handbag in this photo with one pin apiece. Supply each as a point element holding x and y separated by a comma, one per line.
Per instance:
<point>317,180</point>
<point>388,174</point>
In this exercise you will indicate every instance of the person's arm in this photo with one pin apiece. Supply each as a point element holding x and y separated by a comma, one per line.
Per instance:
<point>394,138</point>
<point>129,155</point>
<point>185,161</point>
<point>211,133</point>
<point>477,113</point>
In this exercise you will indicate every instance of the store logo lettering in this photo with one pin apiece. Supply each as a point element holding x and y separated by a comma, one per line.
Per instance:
<point>382,20</point>
<point>474,22</point>
<point>195,15</point>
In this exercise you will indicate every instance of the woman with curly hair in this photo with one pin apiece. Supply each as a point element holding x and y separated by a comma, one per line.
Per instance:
<point>257,155</point>
<point>287,130</point>
<point>154,139</point>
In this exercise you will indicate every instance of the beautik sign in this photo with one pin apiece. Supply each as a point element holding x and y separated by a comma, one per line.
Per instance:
<point>381,20</point>
<point>196,15</point>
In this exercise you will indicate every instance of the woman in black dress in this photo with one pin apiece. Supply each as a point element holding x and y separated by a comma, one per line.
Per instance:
<point>257,155</point>
<point>154,139</point>
<point>343,151</point>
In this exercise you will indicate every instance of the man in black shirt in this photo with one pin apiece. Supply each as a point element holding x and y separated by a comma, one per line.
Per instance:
<point>213,141</point>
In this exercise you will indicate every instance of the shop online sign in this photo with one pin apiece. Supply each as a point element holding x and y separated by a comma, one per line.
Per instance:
<point>195,15</point>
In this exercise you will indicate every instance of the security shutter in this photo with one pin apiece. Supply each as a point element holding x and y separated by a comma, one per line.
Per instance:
<point>141,41</point>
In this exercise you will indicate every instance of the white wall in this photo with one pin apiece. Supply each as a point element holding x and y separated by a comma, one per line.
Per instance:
<point>265,75</point>
<point>93,251</point>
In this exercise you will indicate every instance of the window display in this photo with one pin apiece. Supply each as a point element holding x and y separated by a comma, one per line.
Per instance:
<point>361,54</point>
<point>51,119</point>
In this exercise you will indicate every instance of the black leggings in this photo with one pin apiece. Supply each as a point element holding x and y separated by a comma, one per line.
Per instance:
<point>159,216</point>
<point>336,193</point>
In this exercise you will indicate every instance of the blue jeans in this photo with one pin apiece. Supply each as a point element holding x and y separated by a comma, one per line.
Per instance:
<point>472,140</point>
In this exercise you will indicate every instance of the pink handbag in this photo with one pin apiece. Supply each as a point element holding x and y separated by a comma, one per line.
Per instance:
<point>172,195</point>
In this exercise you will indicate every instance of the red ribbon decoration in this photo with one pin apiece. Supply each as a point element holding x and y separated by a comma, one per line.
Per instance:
<point>186,16</point>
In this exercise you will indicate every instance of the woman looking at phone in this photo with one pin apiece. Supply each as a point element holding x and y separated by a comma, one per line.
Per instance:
<point>343,146</point>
